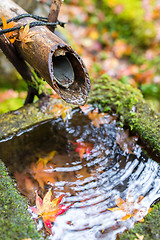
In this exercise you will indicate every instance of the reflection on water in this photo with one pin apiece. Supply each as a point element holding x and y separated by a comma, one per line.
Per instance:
<point>91,182</point>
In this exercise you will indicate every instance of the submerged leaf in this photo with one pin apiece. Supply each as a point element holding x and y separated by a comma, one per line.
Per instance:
<point>26,184</point>
<point>83,148</point>
<point>42,173</point>
<point>46,159</point>
<point>49,209</point>
<point>126,143</point>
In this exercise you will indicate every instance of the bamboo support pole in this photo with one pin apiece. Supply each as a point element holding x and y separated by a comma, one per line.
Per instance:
<point>54,11</point>
<point>52,58</point>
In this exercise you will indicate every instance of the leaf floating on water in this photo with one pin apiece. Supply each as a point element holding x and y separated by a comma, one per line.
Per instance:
<point>131,208</point>
<point>126,143</point>
<point>86,108</point>
<point>49,209</point>
<point>98,118</point>
<point>25,35</point>
<point>10,35</point>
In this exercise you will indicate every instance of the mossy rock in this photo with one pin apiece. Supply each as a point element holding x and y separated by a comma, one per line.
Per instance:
<point>15,222</point>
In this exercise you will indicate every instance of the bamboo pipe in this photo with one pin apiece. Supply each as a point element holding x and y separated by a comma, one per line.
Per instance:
<point>55,61</point>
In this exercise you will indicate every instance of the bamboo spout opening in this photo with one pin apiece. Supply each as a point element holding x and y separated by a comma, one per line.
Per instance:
<point>68,74</point>
<point>63,71</point>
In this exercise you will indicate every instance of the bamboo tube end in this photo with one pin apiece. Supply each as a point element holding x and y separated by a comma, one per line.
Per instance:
<point>69,76</point>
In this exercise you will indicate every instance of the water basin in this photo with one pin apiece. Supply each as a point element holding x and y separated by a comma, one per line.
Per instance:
<point>91,169</point>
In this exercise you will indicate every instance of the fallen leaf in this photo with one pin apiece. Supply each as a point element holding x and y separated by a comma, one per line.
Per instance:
<point>46,159</point>
<point>49,209</point>
<point>131,208</point>
<point>10,35</point>
<point>140,237</point>
<point>82,148</point>
<point>97,118</point>
<point>25,35</point>
<point>60,109</point>
<point>42,174</point>
<point>126,143</point>
<point>86,108</point>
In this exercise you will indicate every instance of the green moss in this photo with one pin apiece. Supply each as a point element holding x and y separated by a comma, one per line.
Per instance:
<point>15,222</point>
<point>150,228</point>
<point>129,104</point>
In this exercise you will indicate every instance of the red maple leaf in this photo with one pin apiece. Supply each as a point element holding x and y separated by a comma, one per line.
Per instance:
<point>49,209</point>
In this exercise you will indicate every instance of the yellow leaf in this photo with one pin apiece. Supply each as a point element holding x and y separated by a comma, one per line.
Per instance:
<point>46,159</point>
<point>25,35</point>
<point>126,217</point>
<point>10,35</point>
<point>60,110</point>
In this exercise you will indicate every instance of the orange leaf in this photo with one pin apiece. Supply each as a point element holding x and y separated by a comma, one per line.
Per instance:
<point>97,118</point>
<point>130,208</point>
<point>42,174</point>
<point>85,108</point>
<point>127,216</point>
<point>49,209</point>
<point>10,35</point>
<point>60,109</point>
<point>120,48</point>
